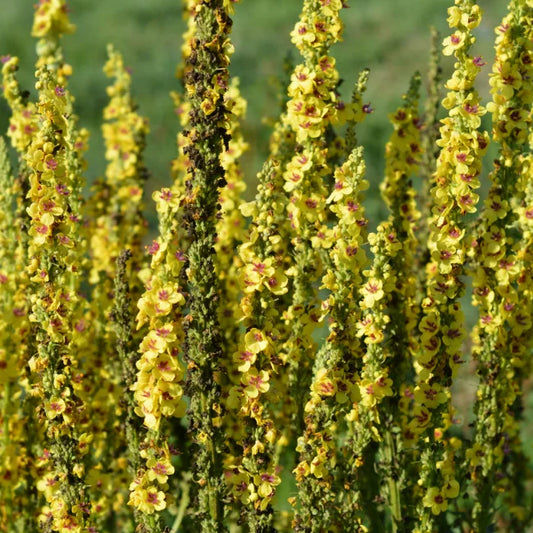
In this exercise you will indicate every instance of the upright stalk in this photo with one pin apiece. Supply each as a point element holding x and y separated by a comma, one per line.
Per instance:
<point>206,82</point>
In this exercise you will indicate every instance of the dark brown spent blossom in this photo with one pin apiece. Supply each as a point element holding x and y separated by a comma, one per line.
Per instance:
<point>206,138</point>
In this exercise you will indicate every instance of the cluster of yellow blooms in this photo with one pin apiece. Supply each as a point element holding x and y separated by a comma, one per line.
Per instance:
<point>55,263</point>
<point>251,474</point>
<point>254,349</point>
<point>501,278</point>
<point>157,389</point>
<point>334,389</point>
<point>442,324</point>
<point>118,221</point>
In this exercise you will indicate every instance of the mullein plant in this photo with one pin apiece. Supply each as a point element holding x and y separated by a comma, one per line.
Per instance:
<point>190,387</point>
<point>206,83</point>
<point>309,112</point>
<point>499,253</point>
<point>395,314</point>
<point>313,108</point>
<point>117,203</point>
<point>117,226</point>
<point>55,259</point>
<point>333,390</point>
<point>442,323</point>
<point>15,448</point>
<point>260,431</point>
<point>329,390</point>
<point>19,455</point>
<point>252,474</point>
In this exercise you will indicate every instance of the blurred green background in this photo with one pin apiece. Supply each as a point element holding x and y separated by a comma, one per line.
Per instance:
<point>391,37</point>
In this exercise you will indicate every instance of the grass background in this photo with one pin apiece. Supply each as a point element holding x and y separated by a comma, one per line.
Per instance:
<point>391,37</point>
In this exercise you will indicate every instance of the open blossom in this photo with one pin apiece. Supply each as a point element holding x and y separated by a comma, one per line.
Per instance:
<point>148,500</point>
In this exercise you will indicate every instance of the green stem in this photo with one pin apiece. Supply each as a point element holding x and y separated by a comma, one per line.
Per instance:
<point>392,481</point>
<point>185,499</point>
<point>5,413</point>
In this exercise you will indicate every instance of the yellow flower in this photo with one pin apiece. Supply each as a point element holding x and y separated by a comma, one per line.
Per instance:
<point>159,469</point>
<point>266,484</point>
<point>255,341</point>
<point>277,283</point>
<point>373,390</point>
<point>241,487</point>
<point>372,292</point>
<point>430,395</point>
<point>323,385</point>
<point>475,454</point>
<point>302,81</point>
<point>244,359</point>
<point>435,499</point>
<point>255,382</point>
<point>49,484</point>
<point>451,489</point>
<point>453,43</point>
<point>147,500</point>
<point>55,407</point>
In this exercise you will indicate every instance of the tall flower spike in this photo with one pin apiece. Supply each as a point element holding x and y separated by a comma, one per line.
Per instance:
<point>311,111</point>
<point>502,282</point>
<point>17,466</point>
<point>333,391</point>
<point>261,308</point>
<point>206,82</point>
<point>116,223</point>
<point>442,323</point>
<point>252,470</point>
<point>125,343</point>
<point>55,255</point>
<point>394,248</point>
<point>158,391</point>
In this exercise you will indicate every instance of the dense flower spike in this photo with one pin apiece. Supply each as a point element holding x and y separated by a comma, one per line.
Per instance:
<point>442,324</point>
<point>206,82</point>
<point>158,391</point>
<point>257,357</point>
<point>116,223</point>
<point>313,108</point>
<point>55,252</point>
<point>500,280</point>
<point>333,389</point>
<point>119,223</point>
<point>395,248</point>
<point>158,388</point>
<point>115,209</point>
<point>16,447</point>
